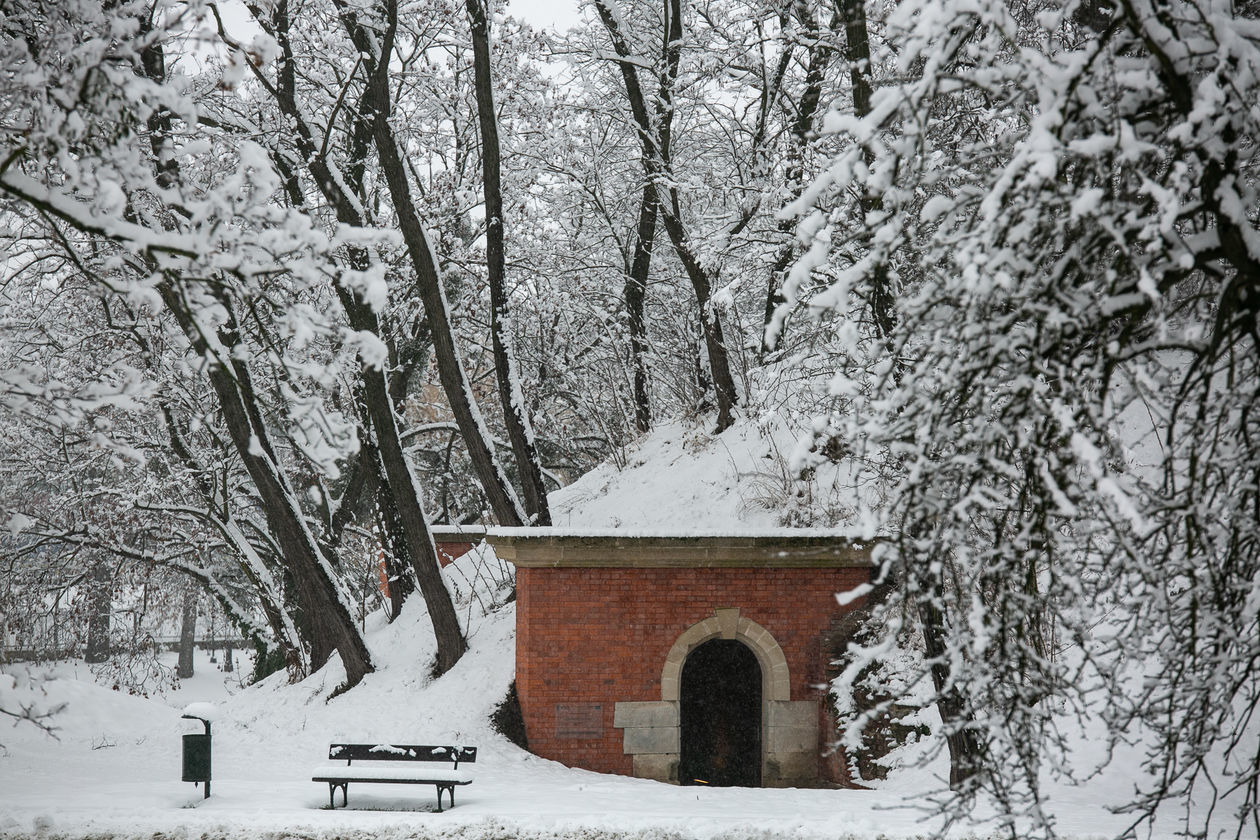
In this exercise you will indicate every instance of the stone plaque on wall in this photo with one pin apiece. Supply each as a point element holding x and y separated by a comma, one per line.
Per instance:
<point>579,721</point>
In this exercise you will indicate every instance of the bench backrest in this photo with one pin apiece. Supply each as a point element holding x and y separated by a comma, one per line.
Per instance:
<point>401,752</point>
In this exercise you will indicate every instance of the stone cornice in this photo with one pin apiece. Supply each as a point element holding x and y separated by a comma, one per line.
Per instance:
<point>473,533</point>
<point>537,548</point>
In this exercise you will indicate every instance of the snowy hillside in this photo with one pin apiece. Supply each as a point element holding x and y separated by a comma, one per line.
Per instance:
<point>681,478</point>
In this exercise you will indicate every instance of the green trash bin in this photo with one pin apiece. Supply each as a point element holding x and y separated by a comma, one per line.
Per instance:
<point>197,756</point>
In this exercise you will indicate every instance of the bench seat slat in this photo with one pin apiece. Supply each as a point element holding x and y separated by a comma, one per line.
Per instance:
<point>402,775</point>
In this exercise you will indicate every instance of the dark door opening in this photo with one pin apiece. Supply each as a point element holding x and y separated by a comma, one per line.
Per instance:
<point>720,712</point>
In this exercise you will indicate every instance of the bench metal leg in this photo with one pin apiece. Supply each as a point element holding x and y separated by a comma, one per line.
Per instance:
<point>450,790</point>
<point>332,786</point>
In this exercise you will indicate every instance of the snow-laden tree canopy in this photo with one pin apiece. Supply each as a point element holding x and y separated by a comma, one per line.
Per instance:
<point>1046,255</point>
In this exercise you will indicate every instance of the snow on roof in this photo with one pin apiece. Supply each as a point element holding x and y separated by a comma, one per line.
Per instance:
<point>205,711</point>
<point>681,480</point>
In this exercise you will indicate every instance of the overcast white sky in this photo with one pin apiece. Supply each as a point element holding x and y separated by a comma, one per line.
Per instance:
<point>546,14</point>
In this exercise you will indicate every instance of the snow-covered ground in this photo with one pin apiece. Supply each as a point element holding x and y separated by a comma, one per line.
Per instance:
<point>115,767</point>
<point>114,770</point>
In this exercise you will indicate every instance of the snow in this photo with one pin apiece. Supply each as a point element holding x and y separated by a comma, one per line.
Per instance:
<point>678,480</point>
<point>669,533</point>
<point>372,351</point>
<point>205,711</point>
<point>369,284</point>
<point>18,523</point>
<point>114,769</point>
<point>848,597</point>
<point>114,772</point>
<point>390,770</point>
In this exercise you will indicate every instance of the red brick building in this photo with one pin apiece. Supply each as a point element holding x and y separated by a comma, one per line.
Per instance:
<point>454,541</point>
<point>696,659</point>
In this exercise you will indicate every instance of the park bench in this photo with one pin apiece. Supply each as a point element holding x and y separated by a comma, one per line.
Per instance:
<point>443,778</point>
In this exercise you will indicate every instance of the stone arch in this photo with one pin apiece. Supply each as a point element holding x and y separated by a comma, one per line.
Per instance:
<point>789,728</point>
<point>776,684</point>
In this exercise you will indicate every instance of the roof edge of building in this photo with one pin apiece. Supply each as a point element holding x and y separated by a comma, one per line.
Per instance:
<point>781,548</point>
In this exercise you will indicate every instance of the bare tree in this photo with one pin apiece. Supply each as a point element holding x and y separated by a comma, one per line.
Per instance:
<point>655,133</point>
<point>511,395</point>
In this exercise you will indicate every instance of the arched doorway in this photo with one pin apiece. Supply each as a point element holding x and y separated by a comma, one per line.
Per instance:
<point>720,716</point>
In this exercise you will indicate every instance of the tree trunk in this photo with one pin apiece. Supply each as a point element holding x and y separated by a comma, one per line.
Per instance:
<point>399,485</point>
<point>419,539</point>
<point>256,572</point>
<point>377,100</point>
<point>328,620</point>
<point>859,56</point>
<point>635,293</point>
<point>965,751</point>
<point>635,290</point>
<point>507,508</point>
<point>377,403</point>
<point>701,282</point>
<point>515,412</point>
<point>283,625</point>
<point>774,323</point>
<point>100,612</point>
<point>655,136</point>
<point>503,501</point>
<point>398,565</point>
<point>187,633</point>
<point>714,341</point>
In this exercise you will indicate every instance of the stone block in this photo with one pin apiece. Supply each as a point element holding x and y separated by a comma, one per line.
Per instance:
<point>645,714</point>
<point>780,686</point>
<point>728,621</point>
<point>793,739</point>
<point>663,767</point>
<point>790,770</point>
<point>794,713</point>
<point>753,633</point>
<point>650,739</point>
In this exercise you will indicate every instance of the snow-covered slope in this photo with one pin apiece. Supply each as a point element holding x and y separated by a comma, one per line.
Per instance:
<point>675,478</point>
<point>682,478</point>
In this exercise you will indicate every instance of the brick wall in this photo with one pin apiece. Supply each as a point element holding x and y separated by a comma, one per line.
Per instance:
<point>601,635</point>
<point>449,551</point>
